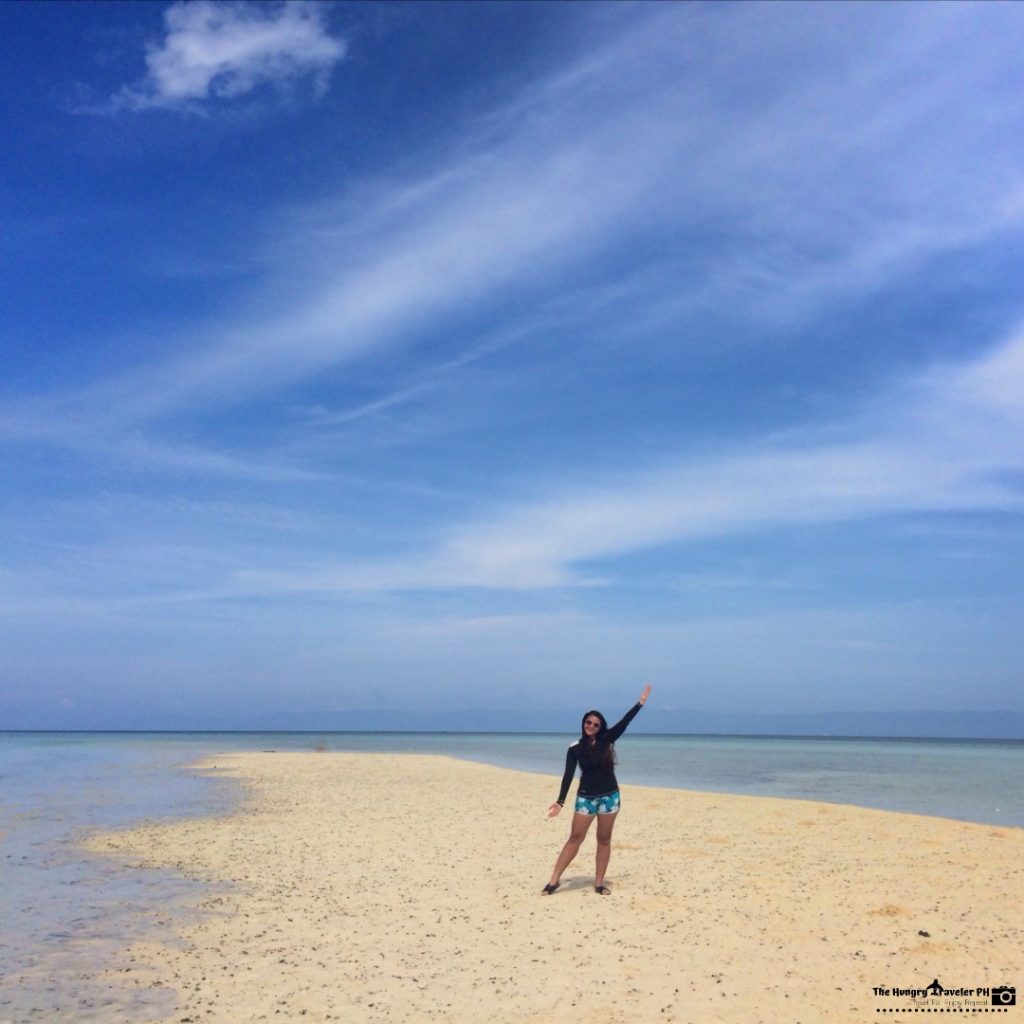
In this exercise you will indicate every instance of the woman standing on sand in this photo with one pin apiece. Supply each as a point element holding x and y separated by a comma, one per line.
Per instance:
<point>598,795</point>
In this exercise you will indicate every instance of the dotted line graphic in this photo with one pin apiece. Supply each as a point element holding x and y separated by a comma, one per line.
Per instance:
<point>943,1009</point>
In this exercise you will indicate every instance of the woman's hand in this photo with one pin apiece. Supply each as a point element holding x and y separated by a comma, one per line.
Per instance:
<point>645,694</point>
<point>553,810</point>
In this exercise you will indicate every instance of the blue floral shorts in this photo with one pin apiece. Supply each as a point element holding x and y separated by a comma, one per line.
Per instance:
<point>606,804</point>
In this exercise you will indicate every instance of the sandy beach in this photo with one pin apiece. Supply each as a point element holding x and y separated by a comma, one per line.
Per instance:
<point>366,887</point>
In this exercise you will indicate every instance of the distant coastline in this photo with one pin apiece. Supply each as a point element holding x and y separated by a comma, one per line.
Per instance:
<point>936,725</point>
<point>851,738</point>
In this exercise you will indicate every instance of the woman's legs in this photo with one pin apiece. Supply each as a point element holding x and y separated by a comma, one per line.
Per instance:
<point>605,824</point>
<point>580,826</point>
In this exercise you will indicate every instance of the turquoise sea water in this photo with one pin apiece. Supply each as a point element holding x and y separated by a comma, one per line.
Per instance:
<point>62,910</point>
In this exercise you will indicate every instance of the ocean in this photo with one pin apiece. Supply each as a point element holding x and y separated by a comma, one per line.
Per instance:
<point>62,910</point>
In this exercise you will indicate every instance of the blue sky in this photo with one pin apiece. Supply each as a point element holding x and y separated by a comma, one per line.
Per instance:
<point>416,356</point>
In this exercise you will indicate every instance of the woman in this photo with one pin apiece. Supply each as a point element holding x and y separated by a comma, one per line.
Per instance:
<point>598,794</point>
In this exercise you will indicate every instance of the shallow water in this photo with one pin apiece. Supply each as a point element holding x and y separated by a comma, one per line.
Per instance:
<point>63,911</point>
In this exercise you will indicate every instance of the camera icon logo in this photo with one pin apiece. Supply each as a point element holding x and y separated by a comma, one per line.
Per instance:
<point>1004,995</point>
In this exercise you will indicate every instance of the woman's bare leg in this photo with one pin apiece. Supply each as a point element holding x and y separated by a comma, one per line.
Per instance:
<point>605,824</point>
<point>580,826</point>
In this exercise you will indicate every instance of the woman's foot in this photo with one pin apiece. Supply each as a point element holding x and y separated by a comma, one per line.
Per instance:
<point>550,888</point>
<point>602,890</point>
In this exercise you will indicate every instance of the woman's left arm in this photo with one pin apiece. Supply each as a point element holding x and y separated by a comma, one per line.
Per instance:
<point>620,727</point>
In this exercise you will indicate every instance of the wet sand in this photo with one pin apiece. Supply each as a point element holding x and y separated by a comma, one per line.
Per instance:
<point>372,887</point>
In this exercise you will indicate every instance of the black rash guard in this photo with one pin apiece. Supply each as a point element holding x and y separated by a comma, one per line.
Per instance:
<point>596,780</point>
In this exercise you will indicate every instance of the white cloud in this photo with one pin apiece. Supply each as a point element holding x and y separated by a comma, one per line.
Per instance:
<point>575,169</point>
<point>91,433</point>
<point>580,165</point>
<point>944,441</point>
<point>221,50</point>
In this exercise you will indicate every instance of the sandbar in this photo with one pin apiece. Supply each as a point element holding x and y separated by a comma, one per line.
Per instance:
<point>385,888</point>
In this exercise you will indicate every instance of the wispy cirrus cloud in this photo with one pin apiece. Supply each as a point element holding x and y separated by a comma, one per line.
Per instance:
<point>554,372</point>
<point>103,437</point>
<point>214,49</point>
<point>540,196</point>
<point>951,439</point>
<point>530,203</point>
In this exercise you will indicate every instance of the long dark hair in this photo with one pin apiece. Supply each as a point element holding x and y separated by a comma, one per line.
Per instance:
<point>603,751</point>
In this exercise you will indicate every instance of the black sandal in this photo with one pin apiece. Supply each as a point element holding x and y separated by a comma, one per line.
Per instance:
<point>549,888</point>
<point>602,890</point>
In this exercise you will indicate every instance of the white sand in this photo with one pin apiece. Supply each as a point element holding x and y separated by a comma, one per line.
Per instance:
<point>369,887</point>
